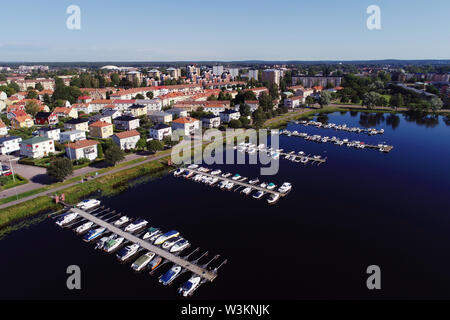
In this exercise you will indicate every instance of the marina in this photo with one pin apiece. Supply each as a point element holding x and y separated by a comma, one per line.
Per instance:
<point>343,127</point>
<point>235,183</point>
<point>127,242</point>
<point>337,141</point>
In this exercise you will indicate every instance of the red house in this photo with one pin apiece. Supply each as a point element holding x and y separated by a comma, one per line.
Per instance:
<point>46,118</point>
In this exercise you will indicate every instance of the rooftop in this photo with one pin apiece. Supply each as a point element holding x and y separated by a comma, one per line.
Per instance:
<point>82,144</point>
<point>127,134</point>
<point>36,139</point>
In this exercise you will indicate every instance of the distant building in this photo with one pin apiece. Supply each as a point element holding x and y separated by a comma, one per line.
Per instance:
<point>177,112</point>
<point>126,123</point>
<point>253,74</point>
<point>63,112</point>
<point>37,147</point>
<point>272,76</point>
<point>51,133</point>
<point>9,144</point>
<point>294,102</point>
<point>101,129</point>
<point>211,121</point>
<point>217,70</point>
<point>228,115</point>
<point>126,140</point>
<point>72,136</point>
<point>46,118</point>
<point>77,124</point>
<point>137,110</point>
<point>312,81</point>
<point>234,72</point>
<point>160,131</point>
<point>82,149</point>
<point>160,116</point>
<point>22,122</point>
<point>187,124</point>
<point>3,128</point>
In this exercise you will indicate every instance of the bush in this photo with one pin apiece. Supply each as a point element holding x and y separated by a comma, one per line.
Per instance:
<point>60,168</point>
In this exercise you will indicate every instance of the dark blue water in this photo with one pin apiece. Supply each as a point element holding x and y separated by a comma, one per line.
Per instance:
<point>361,208</point>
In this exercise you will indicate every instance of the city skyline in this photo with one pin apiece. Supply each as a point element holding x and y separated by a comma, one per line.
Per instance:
<point>209,31</point>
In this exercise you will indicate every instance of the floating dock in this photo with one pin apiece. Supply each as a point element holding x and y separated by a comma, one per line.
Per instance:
<point>294,156</point>
<point>195,269</point>
<point>344,127</point>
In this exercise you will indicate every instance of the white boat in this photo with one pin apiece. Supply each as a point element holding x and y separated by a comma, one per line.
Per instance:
<point>263,185</point>
<point>190,286</point>
<point>216,172</point>
<point>113,244</point>
<point>101,243</point>
<point>135,225</point>
<point>237,176</point>
<point>178,172</point>
<point>179,246</point>
<point>222,184</point>
<point>93,233</point>
<point>84,227</point>
<point>193,166</point>
<point>127,252</point>
<point>229,186</point>
<point>151,232</point>
<point>170,275</point>
<point>304,160</point>
<point>273,198</point>
<point>88,204</point>
<point>254,181</point>
<point>247,191</point>
<point>271,186</point>
<point>169,243</point>
<point>121,221</point>
<point>285,187</point>
<point>258,194</point>
<point>66,218</point>
<point>142,261</point>
<point>155,236</point>
<point>225,175</point>
<point>166,236</point>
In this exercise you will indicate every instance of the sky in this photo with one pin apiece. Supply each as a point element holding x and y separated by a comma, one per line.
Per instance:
<point>211,30</point>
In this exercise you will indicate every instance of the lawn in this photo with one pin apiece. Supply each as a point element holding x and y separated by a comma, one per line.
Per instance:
<point>7,182</point>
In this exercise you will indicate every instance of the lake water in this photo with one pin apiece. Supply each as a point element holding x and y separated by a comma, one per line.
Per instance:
<point>361,208</point>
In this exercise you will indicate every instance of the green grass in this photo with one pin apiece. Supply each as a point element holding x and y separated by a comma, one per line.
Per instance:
<point>8,182</point>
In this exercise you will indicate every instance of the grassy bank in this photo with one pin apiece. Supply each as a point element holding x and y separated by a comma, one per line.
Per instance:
<point>8,182</point>
<point>108,185</point>
<point>305,113</point>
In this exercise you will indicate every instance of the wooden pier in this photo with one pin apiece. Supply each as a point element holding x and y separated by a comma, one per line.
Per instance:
<point>202,272</point>
<point>240,183</point>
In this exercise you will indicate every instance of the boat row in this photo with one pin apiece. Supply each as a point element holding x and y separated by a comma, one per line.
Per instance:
<point>125,250</point>
<point>299,157</point>
<point>340,142</point>
<point>342,127</point>
<point>228,181</point>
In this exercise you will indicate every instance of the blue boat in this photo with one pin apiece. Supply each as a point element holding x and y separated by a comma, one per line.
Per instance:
<point>93,233</point>
<point>167,277</point>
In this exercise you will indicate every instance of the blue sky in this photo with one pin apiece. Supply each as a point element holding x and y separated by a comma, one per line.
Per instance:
<point>174,30</point>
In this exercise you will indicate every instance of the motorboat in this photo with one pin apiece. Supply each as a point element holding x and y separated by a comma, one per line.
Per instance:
<point>188,174</point>
<point>254,181</point>
<point>180,245</point>
<point>222,184</point>
<point>93,233</point>
<point>166,236</point>
<point>258,194</point>
<point>101,243</point>
<point>113,244</point>
<point>304,160</point>
<point>190,286</point>
<point>178,172</point>
<point>88,204</point>
<point>225,175</point>
<point>273,198</point>
<point>155,236</point>
<point>127,252</point>
<point>84,227</point>
<point>229,186</point>
<point>136,225</point>
<point>169,243</point>
<point>142,261</point>
<point>120,222</point>
<point>285,187</point>
<point>237,176</point>
<point>154,263</point>
<point>193,166</point>
<point>247,191</point>
<point>170,275</point>
<point>271,186</point>
<point>263,185</point>
<point>216,172</point>
<point>151,232</point>
<point>66,218</point>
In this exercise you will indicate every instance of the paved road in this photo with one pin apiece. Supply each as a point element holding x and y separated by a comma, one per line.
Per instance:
<point>38,178</point>
<point>148,159</point>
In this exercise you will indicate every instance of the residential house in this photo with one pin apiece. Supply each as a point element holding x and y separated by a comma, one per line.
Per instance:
<point>63,112</point>
<point>160,131</point>
<point>254,105</point>
<point>82,149</point>
<point>101,129</point>
<point>151,104</point>
<point>100,117</point>
<point>37,147</point>
<point>46,118</point>
<point>85,108</point>
<point>137,110</point>
<point>177,112</point>
<point>112,113</point>
<point>3,128</point>
<point>187,124</point>
<point>126,140</point>
<point>228,115</point>
<point>294,102</point>
<point>77,124</point>
<point>126,123</point>
<point>160,116</point>
<point>9,144</point>
<point>211,121</point>
<point>22,122</point>
<point>72,136</point>
<point>51,133</point>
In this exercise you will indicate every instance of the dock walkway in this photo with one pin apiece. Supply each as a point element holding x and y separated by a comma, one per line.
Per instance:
<point>204,273</point>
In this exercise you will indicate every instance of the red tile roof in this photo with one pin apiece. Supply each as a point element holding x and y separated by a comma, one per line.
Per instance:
<point>82,144</point>
<point>184,120</point>
<point>127,134</point>
<point>100,124</point>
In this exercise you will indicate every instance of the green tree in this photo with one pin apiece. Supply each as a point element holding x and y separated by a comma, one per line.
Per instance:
<point>114,154</point>
<point>235,124</point>
<point>141,144</point>
<point>396,101</point>
<point>154,145</point>
<point>371,99</point>
<point>100,151</point>
<point>39,86</point>
<point>436,104</point>
<point>60,168</point>
<point>32,107</point>
<point>325,98</point>
<point>149,94</point>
